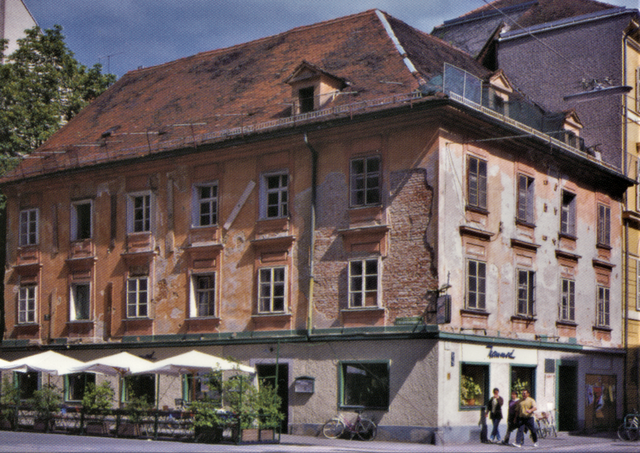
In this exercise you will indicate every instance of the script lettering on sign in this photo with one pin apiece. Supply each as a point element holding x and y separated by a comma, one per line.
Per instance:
<point>501,355</point>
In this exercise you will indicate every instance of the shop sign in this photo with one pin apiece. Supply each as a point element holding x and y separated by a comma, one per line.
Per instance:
<point>498,354</point>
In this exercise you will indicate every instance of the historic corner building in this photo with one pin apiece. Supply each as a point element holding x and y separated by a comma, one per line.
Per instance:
<point>355,207</point>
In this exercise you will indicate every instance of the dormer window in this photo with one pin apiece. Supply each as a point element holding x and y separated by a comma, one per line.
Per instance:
<point>306,99</point>
<point>312,88</point>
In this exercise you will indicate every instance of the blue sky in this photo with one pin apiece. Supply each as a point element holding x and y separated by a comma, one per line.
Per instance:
<point>126,34</point>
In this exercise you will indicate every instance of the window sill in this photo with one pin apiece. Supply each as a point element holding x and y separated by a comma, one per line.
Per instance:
<point>602,328</point>
<point>524,244</point>
<point>80,321</point>
<point>566,323</point>
<point>603,246</point>
<point>272,321</point>
<point>477,210</point>
<point>570,237</point>
<point>522,318</point>
<point>525,223</point>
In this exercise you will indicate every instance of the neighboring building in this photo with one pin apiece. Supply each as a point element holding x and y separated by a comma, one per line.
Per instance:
<point>15,18</point>
<point>316,203</point>
<point>581,55</point>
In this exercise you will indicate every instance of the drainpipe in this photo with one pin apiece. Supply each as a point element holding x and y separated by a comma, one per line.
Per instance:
<point>312,222</point>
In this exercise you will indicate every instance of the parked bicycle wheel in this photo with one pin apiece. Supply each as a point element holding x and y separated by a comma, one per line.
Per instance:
<point>333,428</point>
<point>627,433</point>
<point>366,430</point>
<point>541,429</point>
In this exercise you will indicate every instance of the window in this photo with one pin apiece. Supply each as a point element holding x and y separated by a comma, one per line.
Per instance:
<point>525,211</point>
<point>27,304</point>
<point>207,385</point>
<point>638,89</point>
<point>638,179</point>
<point>27,383</point>
<point>139,213</point>
<point>28,227</point>
<point>365,181</point>
<point>476,284</point>
<point>205,205</point>
<point>363,283</point>
<point>76,384</point>
<point>364,384</point>
<point>637,285</point>
<point>604,225</point>
<point>476,183</point>
<point>602,308</point>
<point>81,220</point>
<point>474,384</point>
<point>272,289</point>
<point>275,201</point>
<point>523,378</point>
<point>568,214</point>
<point>80,302</point>
<point>137,297</point>
<point>567,309</point>
<point>526,293</point>
<point>140,386</point>
<point>306,99</point>
<point>203,291</point>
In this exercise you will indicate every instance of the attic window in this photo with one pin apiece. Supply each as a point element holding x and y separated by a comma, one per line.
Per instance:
<point>306,99</point>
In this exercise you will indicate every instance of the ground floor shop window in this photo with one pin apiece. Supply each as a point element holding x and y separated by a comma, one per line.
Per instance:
<point>474,384</point>
<point>76,384</point>
<point>197,387</point>
<point>364,384</point>
<point>523,378</point>
<point>28,383</point>
<point>142,386</point>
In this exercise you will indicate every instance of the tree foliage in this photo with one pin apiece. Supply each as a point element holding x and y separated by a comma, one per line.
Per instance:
<point>43,86</point>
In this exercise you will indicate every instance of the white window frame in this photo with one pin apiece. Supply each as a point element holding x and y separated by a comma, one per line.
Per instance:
<point>365,183</point>
<point>525,202</point>
<point>73,302</point>
<point>568,213</point>
<point>27,304</point>
<point>638,176</point>
<point>281,193</point>
<point>194,305</point>
<point>29,220</point>
<point>359,292</point>
<point>604,225</point>
<point>270,289</point>
<point>75,219</point>
<point>638,284</point>
<point>477,193</point>
<point>476,284</point>
<point>212,202</point>
<point>135,295</point>
<point>567,305</point>
<point>132,226</point>
<point>603,306</point>
<point>529,289</point>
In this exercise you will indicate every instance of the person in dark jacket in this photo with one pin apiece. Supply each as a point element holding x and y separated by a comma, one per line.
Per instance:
<point>494,412</point>
<point>512,422</point>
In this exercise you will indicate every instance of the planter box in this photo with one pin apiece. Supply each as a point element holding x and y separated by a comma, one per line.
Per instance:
<point>97,428</point>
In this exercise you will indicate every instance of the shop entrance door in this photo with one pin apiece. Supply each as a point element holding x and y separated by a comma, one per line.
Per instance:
<point>267,374</point>
<point>568,398</point>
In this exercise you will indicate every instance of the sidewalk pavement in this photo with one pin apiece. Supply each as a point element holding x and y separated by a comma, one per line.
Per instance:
<point>564,442</point>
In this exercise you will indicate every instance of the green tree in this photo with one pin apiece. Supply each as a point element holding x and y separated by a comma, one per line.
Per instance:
<point>43,87</point>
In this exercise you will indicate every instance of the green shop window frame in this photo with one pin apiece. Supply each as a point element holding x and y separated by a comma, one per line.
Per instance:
<point>474,370</point>
<point>516,371</point>
<point>364,385</point>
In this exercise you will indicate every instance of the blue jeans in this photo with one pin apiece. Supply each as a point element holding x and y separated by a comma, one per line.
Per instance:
<point>495,432</point>
<point>530,424</point>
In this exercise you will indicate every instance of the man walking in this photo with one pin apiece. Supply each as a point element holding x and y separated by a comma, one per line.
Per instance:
<point>526,419</point>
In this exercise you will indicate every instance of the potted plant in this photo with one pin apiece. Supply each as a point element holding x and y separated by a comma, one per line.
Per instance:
<point>96,402</point>
<point>9,401</point>
<point>45,402</point>
<point>136,408</point>
<point>469,390</point>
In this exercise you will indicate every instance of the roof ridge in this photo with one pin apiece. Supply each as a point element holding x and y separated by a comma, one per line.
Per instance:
<point>257,40</point>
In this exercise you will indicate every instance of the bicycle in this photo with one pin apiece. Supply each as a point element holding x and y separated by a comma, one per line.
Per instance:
<point>362,428</point>
<point>545,425</point>
<point>629,430</point>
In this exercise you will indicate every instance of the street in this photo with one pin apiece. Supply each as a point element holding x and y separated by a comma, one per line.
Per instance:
<point>27,442</point>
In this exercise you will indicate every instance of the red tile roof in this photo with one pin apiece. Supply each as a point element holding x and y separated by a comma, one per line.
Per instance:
<point>205,96</point>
